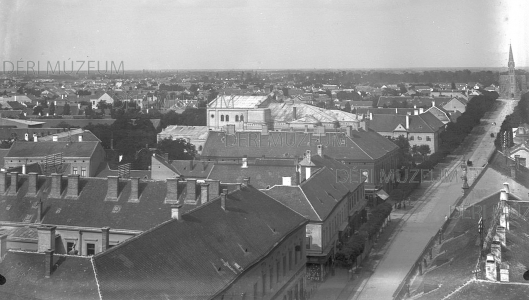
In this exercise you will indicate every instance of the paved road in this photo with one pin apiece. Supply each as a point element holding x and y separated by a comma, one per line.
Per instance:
<point>428,214</point>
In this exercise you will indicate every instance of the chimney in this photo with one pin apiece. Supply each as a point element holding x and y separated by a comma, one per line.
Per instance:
<point>105,237</point>
<point>396,110</point>
<point>294,113</point>
<point>320,150</point>
<point>504,273</point>
<point>48,257</point>
<point>35,138</point>
<point>415,112</point>
<point>500,231</point>
<point>55,138</point>
<point>414,106</point>
<point>78,104</point>
<point>56,185</point>
<point>349,130</point>
<point>370,116</point>
<point>13,189</point>
<point>246,181</point>
<point>297,178</point>
<point>244,162</point>
<point>223,199</point>
<point>176,211</point>
<point>287,181</point>
<point>80,138</point>
<point>3,182</point>
<point>513,171</point>
<point>46,237</point>
<point>24,169</point>
<point>363,125</point>
<point>134,189</point>
<point>3,246</point>
<point>433,103</point>
<point>73,186</point>
<point>214,188</point>
<point>495,250</point>
<point>39,211</point>
<point>421,110</point>
<point>204,193</point>
<point>407,122</point>
<point>264,129</point>
<point>112,190</point>
<point>230,129</point>
<point>191,189</point>
<point>26,136</point>
<point>506,187</point>
<point>172,190</point>
<point>490,268</point>
<point>32,184</point>
<point>503,195</point>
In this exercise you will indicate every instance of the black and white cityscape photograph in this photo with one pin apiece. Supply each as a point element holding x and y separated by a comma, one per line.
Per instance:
<point>264,150</point>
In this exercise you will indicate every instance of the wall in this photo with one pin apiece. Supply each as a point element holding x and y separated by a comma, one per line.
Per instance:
<point>421,139</point>
<point>159,171</point>
<point>250,283</point>
<point>95,161</point>
<point>314,231</point>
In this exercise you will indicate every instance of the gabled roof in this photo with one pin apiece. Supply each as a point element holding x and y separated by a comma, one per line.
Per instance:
<point>41,149</point>
<point>73,278</point>
<point>197,257</point>
<point>225,101</point>
<point>361,145</point>
<point>440,114</point>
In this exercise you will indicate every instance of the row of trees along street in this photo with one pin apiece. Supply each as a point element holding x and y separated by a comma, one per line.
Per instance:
<point>520,115</point>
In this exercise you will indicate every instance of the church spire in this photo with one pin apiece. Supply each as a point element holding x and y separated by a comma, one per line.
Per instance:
<point>511,60</point>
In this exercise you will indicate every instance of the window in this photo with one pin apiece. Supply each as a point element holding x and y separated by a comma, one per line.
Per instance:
<point>419,138</point>
<point>227,118</point>
<point>290,260</point>
<point>222,118</point>
<point>308,242</point>
<point>236,118</point>
<point>212,116</point>
<point>69,247</point>
<point>83,172</point>
<point>75,170</point>
<point>90,249</point>
<point>277,271</point>
<point>255,290</point>
<point>411,138</point>
<point>242,118</point>
<point>428,139</point>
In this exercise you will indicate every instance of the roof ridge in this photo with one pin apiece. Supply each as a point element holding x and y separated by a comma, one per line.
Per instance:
<point>95,276</point>
<point>310,203</point>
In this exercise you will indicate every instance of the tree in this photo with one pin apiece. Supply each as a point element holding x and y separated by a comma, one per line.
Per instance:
<point>52,108</point>
<point>178,149</point>
<point>37,110</point>
<point>347,106</point>
<point>66,109</point>
<point>89,112</point>
<point>424,150</point>
<point>404,149</point>
<point>453,85</point>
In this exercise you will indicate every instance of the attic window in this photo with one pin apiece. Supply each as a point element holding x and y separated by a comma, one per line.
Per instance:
<point>28,218</point>
<point>8,207</point>
<point>116,209</point>
<point>58,211</point>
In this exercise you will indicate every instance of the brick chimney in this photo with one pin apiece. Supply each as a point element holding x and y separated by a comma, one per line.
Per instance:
<point>172,190</point>
<point>39,211</point>
<point>370,116</point>
<point>320,150</point>
<point>35,138</point>
<point>105,237</point>
<point>176,211</point>
<point>56,185</point>
<point>48,265</point>
<point>204,193</point>
<point>73,186</point>
<point>407,122</point>
<point>13,189</point>
<point>80,138</point>
<point>246,181</point>
<point>415,112</point>
<point>495,250</point>
<point>500,231</point>
<point>191,189</point>
<point>3,246</point>
<point>223,199</point>
<point>214,189</point>
<point>490,268</point>
<point>134,189</point>
<point>46,237</point>
<point>3,182</point>
<point>32,184</point>
<point>506,187</point>
<point>244,162</point>
<point>264,129</point>
<point>113,185</point>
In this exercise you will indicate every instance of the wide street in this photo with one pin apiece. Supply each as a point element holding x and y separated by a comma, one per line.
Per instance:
<point>431,204</point>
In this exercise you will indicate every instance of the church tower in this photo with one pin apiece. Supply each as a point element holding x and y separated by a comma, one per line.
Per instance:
<point>512,78</point>
<point>512,85</point>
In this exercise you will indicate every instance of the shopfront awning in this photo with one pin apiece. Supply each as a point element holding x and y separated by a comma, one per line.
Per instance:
<point>382,194</point>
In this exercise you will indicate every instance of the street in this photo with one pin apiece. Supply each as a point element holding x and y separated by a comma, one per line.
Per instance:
<point>430,207</point>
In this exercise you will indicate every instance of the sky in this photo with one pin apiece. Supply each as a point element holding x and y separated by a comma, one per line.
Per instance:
<point>266,34</point>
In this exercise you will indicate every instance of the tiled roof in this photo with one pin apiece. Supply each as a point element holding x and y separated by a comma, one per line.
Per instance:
<point>260,176</point>
<point>439,113</point>
<point>283,112</point>
<point>199,132</point>
<point>361,146</point>
<point>385,111</point>
<point>425,122</point>
<point>225,101</point>
<point>41,149</point>
<point>73,278</point>
<point>71,135</point>
<point>196,257</point>
<point>316,197</point>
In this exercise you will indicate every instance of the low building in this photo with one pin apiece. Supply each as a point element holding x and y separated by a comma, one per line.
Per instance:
<point>196,135</point>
